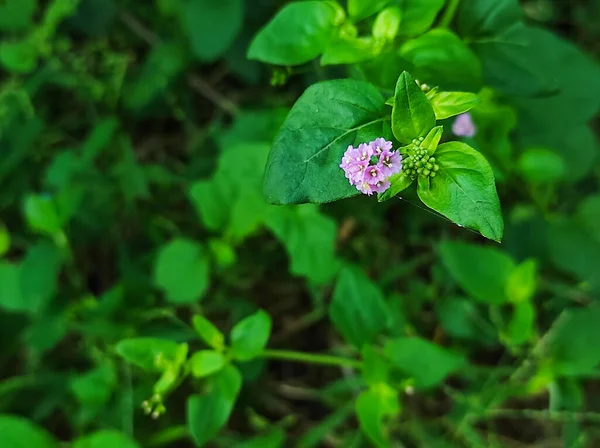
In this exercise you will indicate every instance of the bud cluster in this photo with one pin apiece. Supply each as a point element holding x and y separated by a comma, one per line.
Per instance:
<point>420,163</point>
<point>154,406</point>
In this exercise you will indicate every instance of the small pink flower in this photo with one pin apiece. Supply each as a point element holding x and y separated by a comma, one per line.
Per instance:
<point>463,126</point>
<point>390,163</point>
<point>380,145</point>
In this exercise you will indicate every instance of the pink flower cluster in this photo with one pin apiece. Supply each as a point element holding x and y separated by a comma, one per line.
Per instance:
<point>369,166</point>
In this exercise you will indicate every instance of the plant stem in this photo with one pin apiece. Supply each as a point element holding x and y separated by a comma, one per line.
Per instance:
<point>449,12</point>
<point>311,358</point>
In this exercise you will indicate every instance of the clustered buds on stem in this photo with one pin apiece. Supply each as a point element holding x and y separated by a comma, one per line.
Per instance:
<point>154,407</point>
<point>420,163</point>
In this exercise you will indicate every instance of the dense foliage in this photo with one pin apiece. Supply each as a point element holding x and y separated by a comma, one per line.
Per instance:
<point>184,262</point>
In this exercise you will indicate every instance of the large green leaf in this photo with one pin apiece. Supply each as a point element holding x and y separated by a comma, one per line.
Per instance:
<point>442,59</point>
<point>358,309</point>
<point>182,271</point>
<point>250,336</point>
<point>212,26</point>
<point>303,165</point>
<point>18,432</point>
<point>464,190</point>
<point>428,363</point>
<point>207,414</point>
<point>104,439</point>
<point>298,33</point>
<point>412,114</point>
<point>481,271</point>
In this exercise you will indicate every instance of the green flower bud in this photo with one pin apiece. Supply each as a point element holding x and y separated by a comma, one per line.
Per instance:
<point>432,174</point>
<point>436,167</point>
<point>429,166</point>
<point>432,159</point>
<point>419,170</point>
<point>426,172</point>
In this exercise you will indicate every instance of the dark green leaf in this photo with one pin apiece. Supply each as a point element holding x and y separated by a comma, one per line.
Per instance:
<point>39,276</point>
<point>303,165</point>
<point>17,14</point>
<point>464,190</point>
<point>10,286</point>
<point>539,165</point>
<point>412,114</point>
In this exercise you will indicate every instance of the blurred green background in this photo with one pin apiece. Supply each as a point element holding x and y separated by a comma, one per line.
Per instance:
<point>133,138</point>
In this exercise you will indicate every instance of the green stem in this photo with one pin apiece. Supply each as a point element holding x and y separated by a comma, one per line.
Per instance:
<point>449,12</point>
<point>311,358</point>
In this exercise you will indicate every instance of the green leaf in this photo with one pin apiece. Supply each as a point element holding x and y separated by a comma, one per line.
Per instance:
<point>10,286</point>
<point>310,240</point>
<point>297,34</point>
<point>573,344</point>
<point>540,165</point>
<point>416,356</point>
<point>441,58</point>
<point>20,56</point>
<point>249,337</point>
<point>18,432</point>
<point>303,165</point>
<point>462,319</point>
<point>488,18</point>
<point>209,333</point>
<point>522,282</point>
<point>412,114</point>
<point>464,190</point>
<point>483,272</point>
<point>182,271</point>
<point>376,368</point>
<point>358,309</point>
<point>211,26</point>
<point>4,240</point>
<point>39,276</point>
<point>16,15</point>
<point>274,438</point>
<point>372,408</point>
<point>41,215</point>
<point>449,104</point>
<point>95,387</point>
<point>419,15</point>
<point>151,354</point>
<point>387,23</point>
<point>206,362</point>
<point>430,143</point>
<point>361,9</point>
<point>521,324</point>
<point>207,414</point>
<point>104,439</point>
<point>399,182</point>
<point>588,215</point>
<point>350,50</point>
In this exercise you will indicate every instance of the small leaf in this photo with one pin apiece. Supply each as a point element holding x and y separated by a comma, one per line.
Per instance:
<point>297,34</point>
<point>416,356</point>
<point>350,50</point>
<point>250,336</point>
<point>358,309</point>
<point>372,407</point>
<point>522,282</point>
<point>449,104</point>
<point>541,165</point>
<point>433,139</point>
<point>464,190</point>
<point>361,9</point>
<point>104,439</point>
<point>206,362</point>
<point>40,270</point>
<point>151,354</point>
<point>483,272</point>
<point>521,324</point>
<point>419,15</point>
<point>41,215</point>
<point>412,114</point>
<point>182,271</point>
<point>376,368</point>
<point>207,414</point>
<point>399,182</point>
<point>18,432</point>
<point>209,333</point>
<point>387,23</point>
<point>95,387</point>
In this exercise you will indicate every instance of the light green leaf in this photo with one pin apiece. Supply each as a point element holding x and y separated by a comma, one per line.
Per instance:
<point>207,414</point>
<point>387,23</point>
<point>206,362</point>
<point>481,271</point>
<point>372,407</point>
<point>412,114</point>
<point>419,15</point>
<point>399,182</point>
<point>211,26</point>
<point>303,165</point>
<point>361,9</point>
<point>416,356</point>
<point>310,240</point>
<point>41,214</point>
<point>521,324</point>
<point>18,432</point>
<point>376,368</point>
<point>350,50</point>
<point>182,271</point>
<point>104,439</point>
<point>540,165</point>
<point>433,139</point>
<point>249,337</point>
<point>151,354</point>
<point>522,282</point>
<point>449,104</point>
<point>4,240</point>
<point>442,59</point>
<point>95,387</point>
<point>297,34</point>
<point>209,333</point>
<point>358,309</point>
<point>464,190</point>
